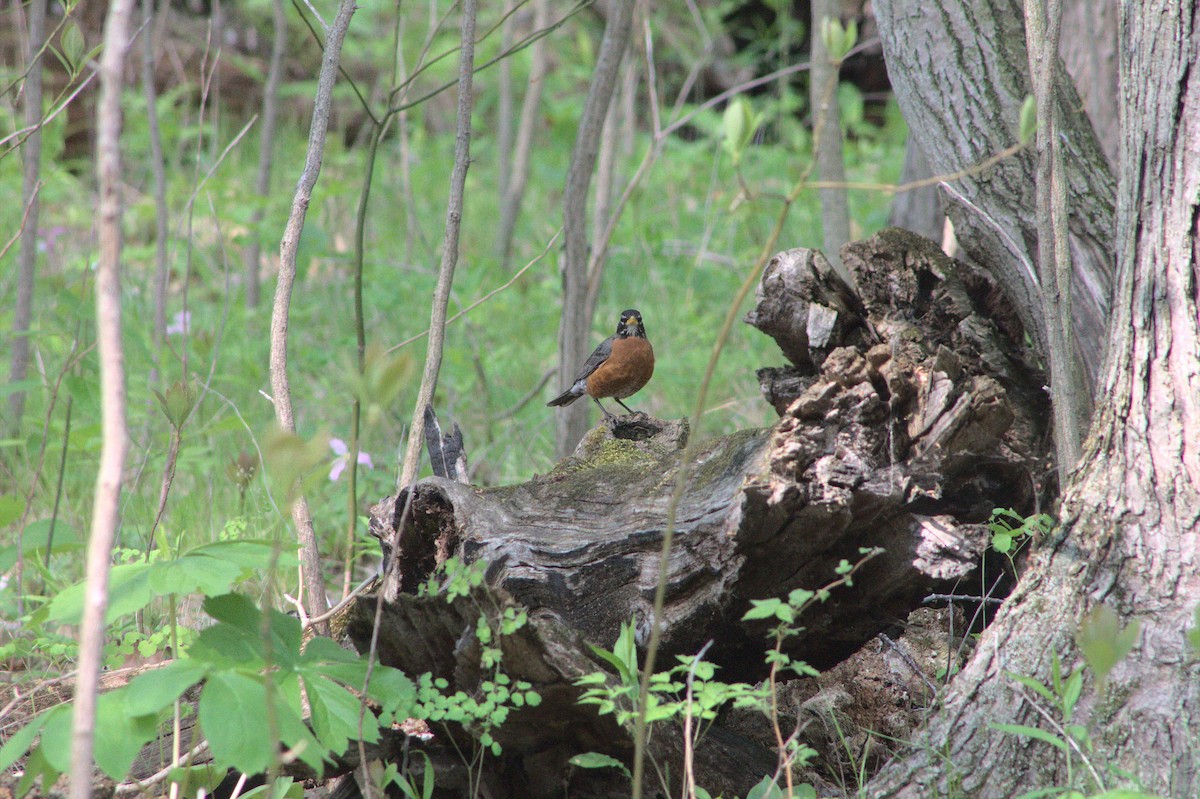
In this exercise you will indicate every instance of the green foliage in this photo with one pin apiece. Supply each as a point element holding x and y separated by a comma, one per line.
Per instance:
<point>838,40</point>
<point>211,569</point>
<point>483,712</point>
<point>1027,122</point>
<point>1104,642</point>
<point>1011,531</point>
<point>247,659</point>
<point>597,760</point>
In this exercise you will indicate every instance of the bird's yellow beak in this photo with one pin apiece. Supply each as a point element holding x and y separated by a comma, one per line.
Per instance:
<point>632,322</point>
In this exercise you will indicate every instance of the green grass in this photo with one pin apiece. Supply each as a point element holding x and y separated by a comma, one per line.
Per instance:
<point>493,356</point>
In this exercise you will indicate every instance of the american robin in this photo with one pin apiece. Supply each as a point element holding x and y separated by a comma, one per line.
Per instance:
<point>620,366</point>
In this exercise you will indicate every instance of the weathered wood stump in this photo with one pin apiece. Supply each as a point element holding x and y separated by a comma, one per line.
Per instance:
<point>908,411</point>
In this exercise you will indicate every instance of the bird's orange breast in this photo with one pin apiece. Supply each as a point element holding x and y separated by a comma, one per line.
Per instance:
<point>629,367</point>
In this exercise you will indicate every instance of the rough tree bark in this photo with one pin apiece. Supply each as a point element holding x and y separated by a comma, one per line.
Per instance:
<point>1130,515</point>
<point>1089,50</point>
<point>961,75</point>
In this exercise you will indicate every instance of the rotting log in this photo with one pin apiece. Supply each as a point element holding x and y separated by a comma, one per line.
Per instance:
<point>908,411</point>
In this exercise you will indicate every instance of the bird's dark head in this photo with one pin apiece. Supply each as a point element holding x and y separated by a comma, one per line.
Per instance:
<point>631,325</point>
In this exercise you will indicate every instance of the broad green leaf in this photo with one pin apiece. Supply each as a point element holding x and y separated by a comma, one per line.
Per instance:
<point>128,592</point>
<point>11,508</point>
<point>36,765</point>
<point>154,690</point>
<point>598,760</point>
<point>123,736</point>
<point>237,737</point>
<point>227,645</point>
<point>1104,642</point>
<point>194,574</point>
<point>335,715</point>
<point>763,609</point>
<point>56,738</point>
<point>765,789</point>
<point>16,746</point>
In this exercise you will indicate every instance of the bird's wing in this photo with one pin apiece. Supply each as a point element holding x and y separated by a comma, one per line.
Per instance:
<point>598,356</point>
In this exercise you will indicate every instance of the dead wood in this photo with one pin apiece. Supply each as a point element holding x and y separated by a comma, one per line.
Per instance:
<point>908,412</point>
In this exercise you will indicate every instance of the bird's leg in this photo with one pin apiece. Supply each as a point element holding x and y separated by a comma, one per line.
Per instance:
<point>623,405</point>
<point>603,410</point>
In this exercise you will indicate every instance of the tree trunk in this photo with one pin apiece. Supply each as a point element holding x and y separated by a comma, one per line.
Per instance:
<point>1129,534</point>
<point>918,210</point>
<point>961,76</point>
<point>31,174</point>
<point>574,330</point>
<point>827,137</point>
<point>1089,50</point>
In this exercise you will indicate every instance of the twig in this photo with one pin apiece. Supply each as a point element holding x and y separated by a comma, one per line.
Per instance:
<point>106,504</point>
<point>961,598</point>
<point>138,786</point>
<point>525,400</point>
<point>280,388</point>
<point>485,297</point>
<point>908,661</point>
<point>454,211</point>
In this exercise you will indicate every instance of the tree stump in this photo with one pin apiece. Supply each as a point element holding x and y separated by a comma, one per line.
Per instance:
<point>908,412</point>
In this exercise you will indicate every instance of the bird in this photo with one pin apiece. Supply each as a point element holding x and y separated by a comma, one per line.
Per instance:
<point>618,368</point>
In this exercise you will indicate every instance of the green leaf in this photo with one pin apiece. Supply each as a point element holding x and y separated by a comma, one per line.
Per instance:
<point>1104,642</point>
<point>245,745</point>
<point>11,508</point>
<point>128,592</point>
<point>193,574</point>
<point>154,690</point>
<point>72,41</point>
<point>1031,732</point>
<point>1034,686</point>
<point>610,659</point>
<point>765,789</point>
<point>598,760</point>
<point>123,734</point>
<point>739,126</point>
<point>1194,633</point>
<point>16,746</point>
<point>335,714</point>
<point>37,766</point>
<point>179,401</point>
<point>763,609</point>
<point>1027,125</point>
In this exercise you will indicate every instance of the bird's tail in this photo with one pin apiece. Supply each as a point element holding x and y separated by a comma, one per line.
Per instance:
<point>565,398</point>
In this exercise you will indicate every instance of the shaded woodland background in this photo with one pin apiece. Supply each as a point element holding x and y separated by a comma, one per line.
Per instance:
<point>206,186</point>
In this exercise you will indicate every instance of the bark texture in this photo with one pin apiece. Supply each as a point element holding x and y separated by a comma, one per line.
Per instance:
<point>961,75</point>
<point>1131,515</point>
